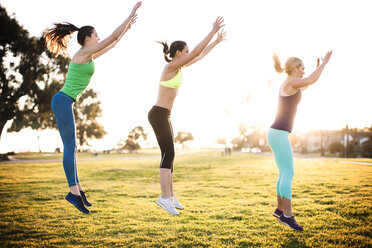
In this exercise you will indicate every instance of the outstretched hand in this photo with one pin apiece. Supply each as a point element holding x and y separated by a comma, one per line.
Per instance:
<point>135,8</point>
<point>132,21</point>
<point>218,24</point>
<point>221,36</point>
<point>327,57</point>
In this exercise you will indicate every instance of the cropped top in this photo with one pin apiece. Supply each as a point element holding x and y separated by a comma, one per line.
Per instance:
<point>77,79</point>
<point>174,82</point>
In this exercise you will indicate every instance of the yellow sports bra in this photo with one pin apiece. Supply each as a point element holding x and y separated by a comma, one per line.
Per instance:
<point>174,82</point>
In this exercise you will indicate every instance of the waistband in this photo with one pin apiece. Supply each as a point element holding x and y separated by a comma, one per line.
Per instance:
<point>160,110</point>
<point>60,93</point>
<point>271,129</point>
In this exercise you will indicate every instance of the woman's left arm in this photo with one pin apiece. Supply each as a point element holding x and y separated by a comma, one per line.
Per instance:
<point>317,65</point>
<point>221,37</point>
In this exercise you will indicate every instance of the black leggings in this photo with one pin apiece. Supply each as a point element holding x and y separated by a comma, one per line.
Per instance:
<point>160,122</point>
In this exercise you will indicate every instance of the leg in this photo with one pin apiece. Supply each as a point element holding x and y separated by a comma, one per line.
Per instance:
<point>62,109</point>
<point>159,120</point>
<point>165,175</point>
<point>281,147</point>
<point>171,185</point>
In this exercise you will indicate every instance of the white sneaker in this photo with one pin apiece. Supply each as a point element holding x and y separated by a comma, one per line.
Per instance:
<point>176,203</point>
<point>167,204</point>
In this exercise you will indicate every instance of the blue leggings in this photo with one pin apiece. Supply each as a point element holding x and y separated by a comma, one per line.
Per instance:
<point>281,146</point>
<point>62,109</point>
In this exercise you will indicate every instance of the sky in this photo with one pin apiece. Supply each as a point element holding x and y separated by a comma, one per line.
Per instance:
<point>236,83</point>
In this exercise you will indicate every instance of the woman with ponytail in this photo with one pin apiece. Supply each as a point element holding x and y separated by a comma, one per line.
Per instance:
<point>278,134</point>
<point>80,71</point>
<point>177,56</point>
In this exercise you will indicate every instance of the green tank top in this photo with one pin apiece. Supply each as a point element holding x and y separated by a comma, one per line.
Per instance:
<point>174,82</point>
<point>77,79</point>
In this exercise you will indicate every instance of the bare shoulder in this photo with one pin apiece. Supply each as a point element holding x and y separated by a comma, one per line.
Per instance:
<point>80,57</point>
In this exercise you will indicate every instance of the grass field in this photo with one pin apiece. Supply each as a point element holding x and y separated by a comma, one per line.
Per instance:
<point>228,203</point>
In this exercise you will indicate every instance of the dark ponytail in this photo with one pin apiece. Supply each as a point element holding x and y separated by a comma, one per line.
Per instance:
<point>174,47</point>
<point>56,38</point>
<point>165,50</point>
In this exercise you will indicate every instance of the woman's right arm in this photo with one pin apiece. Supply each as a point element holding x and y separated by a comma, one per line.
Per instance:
<point>199,48</point>
<point>304,82</point>
<point>116,35</point>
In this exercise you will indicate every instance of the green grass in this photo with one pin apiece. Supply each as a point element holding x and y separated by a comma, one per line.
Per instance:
<point>228,201</point>
<point>80,155</point>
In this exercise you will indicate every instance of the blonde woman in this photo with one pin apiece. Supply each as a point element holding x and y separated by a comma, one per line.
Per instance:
<point>278,135</point>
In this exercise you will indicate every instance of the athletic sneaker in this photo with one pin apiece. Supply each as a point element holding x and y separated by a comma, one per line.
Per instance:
<point>77,202</point>
<point>167,204</point>
<point>291,222</point>
<point>176,203</point>
<point>86,203</point>
<point>277,213</point>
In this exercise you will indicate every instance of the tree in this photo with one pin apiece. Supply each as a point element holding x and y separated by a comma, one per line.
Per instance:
<point>221,141</point>
<point>40,116</point>
<point>131,143</point>
<point>367,146</point>
<point>18,58</point>
<point>336,147</point>
<point>86,110</point>
<point>182,137</point>
<point>30,77</point>
<point>240,141</point>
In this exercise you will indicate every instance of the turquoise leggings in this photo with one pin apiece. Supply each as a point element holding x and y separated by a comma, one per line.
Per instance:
<point>281,146</point>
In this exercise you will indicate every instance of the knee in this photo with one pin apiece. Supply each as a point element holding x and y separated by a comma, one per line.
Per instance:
<point>288,175</point>
<point>167,160</point>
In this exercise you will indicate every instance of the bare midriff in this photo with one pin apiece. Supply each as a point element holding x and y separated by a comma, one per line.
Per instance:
<point>166,97</point>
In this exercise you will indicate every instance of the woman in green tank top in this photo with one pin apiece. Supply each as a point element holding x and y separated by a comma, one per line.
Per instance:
<point>80,71</point>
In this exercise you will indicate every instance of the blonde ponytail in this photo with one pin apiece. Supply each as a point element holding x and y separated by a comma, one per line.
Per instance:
<point>277,64</point>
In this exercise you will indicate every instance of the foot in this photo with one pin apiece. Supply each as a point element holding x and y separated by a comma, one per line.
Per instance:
<point>176,203</point>
<point>277,213</point>
<point>77,202</point>
<point>291,222</point>
<point>167,204</point>
<point>86,203</point>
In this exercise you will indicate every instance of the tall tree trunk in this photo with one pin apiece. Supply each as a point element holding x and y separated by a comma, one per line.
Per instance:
<point>38,139</point>
<point>2,125</point>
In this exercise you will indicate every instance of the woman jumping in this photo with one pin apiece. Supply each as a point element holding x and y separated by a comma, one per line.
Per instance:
<point>278,135</point>
<point>158,116</point>
<point>80,71</point>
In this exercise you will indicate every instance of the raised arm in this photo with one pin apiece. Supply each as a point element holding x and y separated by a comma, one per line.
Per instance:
<point>199,48</point>
<point>221,37</point>
<point>114,37</point>
<point>103,51</point>
<point>304,82</point>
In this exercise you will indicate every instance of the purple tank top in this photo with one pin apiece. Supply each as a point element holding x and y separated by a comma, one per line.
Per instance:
<point>286,113</point>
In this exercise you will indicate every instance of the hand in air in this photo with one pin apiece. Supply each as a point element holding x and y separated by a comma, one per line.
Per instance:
<point>327,57</point>
<point>135,8</point>
<point>218,24</point>
<point>221,36</point>
<point>132,21</point>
